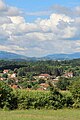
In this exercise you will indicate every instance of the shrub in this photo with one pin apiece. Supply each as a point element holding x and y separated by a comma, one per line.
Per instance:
<point>67,100</point>
<point>75,90</point>
<point>39,99</point>
<point>56,99</point>
<point>32,99</point>
<point>24,99</point>
<point>63,83</point>
<point>5,95</point>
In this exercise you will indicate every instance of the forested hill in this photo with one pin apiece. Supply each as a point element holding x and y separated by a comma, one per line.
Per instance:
<point>10,56</point>
<point>62,56</point>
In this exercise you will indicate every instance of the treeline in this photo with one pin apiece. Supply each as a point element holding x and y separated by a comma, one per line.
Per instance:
<point>50,67</point>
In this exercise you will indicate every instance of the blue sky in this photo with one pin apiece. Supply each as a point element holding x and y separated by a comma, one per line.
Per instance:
<point>40,27</point>
<point>40,5</point>
<point>36,5</point>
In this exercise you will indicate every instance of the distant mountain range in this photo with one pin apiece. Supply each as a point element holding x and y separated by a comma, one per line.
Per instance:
<point>12,56</point>
<point>9,55</point>
<point>63,56</point>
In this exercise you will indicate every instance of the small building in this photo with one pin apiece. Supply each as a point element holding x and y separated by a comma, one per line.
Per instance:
<point>13,75</point>
<point>68,75</point>
<point>14,86</point>
<point>54,81</point>
<point>44,86</point>
<point>44,76</point>
<point>1,78</point>
<point>5,71</point>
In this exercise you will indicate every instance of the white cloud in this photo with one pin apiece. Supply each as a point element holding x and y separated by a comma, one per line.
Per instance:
<point>77,10</point>
<point>3,6</point>
<point>6,10</point>
<point>13,11</point>
<point>17,20</point>
<point>60,33</point>
<point>5,20</point>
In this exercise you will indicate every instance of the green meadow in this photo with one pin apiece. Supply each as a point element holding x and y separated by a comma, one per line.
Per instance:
<point>63,114</point>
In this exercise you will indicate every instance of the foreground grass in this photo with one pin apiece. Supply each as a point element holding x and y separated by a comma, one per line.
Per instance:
<point>63,114</point>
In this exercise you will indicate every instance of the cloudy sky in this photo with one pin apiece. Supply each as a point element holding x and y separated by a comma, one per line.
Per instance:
<point>40,27</point>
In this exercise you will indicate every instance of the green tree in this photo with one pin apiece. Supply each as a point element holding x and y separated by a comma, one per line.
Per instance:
<point>21,72</point>
<point>5,95</point>
<point>63,83</point>
<point>5,75</point>
<point>75,90</point>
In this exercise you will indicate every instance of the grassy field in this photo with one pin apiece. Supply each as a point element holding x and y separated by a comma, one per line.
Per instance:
<point>63,114</point>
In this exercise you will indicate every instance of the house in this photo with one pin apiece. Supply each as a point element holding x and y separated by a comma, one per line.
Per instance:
<point>1,78</point>
<point>13,75</point>
<point>14,86</point>
<point>5,71</point>
<point>40,89</point>
<point>44,86</point>
<point>44,76</point>
<point>68,75</point>
<point>54,81</point>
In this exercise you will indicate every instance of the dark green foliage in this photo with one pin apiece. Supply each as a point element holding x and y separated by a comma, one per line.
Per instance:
<point>10,81</point>
<point>30,75</point>
<point>21,72</point>
<point>56,68</point>
<point>55,99</point>
<point>41,81</point>
<point>5,75</point>
<point>5,95</point>
<point>75,90</point>
<point>63,83</point>
<point>67,100</point>
<point>38,100</point>
<point>23,99</point>
<point>57,72</point>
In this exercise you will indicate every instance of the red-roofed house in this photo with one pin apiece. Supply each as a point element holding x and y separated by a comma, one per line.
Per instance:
<point>68,74</point>
<point>14,87</point>
<point>44,86</point>
<point>44,76</point>
<point>5,71</point>
<point>13,75</point>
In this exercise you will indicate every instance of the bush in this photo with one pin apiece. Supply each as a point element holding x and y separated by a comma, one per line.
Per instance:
<point>75,90</point>
<point>5,95</point>
<point>55,99</point>
<point>24,99</point>
<point>32,99</point>
<point>63,83</point>
<point>39,99</point>
<point>67,100</point>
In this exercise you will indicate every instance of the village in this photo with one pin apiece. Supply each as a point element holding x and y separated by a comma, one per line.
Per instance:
<point>40,82</point>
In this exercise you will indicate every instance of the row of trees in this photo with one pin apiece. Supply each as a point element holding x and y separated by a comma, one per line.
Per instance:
<point>50,67</point>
